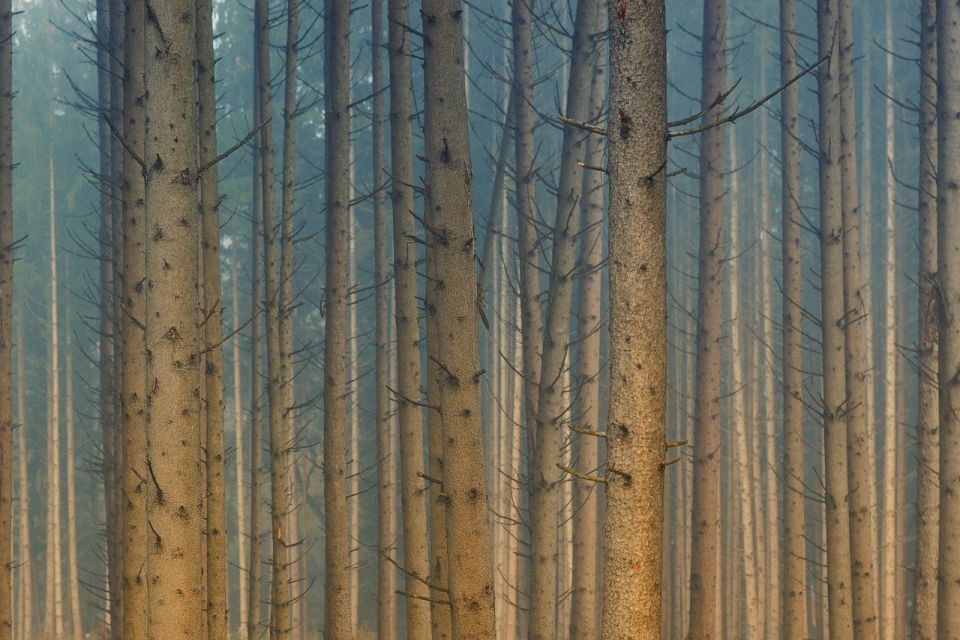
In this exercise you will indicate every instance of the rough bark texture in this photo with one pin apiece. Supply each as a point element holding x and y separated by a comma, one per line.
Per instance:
<point>924,623</point>
<point>832,313</point>
<point>585,605</point>
<point>636,435</point>
<point>133,370</point>
<point>175,566</point>
<point>862,532</point>
<point>337,97</point>
<point>410,416</point>
<point>553,414</point>
<point>455,311</point>
<point>706,426</point>
<point>794,587</point>
<point>212,318</point>
<point>948,270</point>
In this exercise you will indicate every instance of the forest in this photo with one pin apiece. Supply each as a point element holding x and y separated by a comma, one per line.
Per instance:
<point>479,319</point>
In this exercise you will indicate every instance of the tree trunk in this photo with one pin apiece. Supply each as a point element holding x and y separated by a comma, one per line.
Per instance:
<point>706,431</point>
<point>585,605</point>
<point>924,623</point>
<point>386,576</point>
<point>212,314</point>
<point>133,369</point>
<point>175,566</point>
<point>552,411</point>
<point>835,398</point>
<point>353,451</point>
<point>863,558</point>
<point>412,496</point>
<point>455,311</point>
<point>76,621</point>
<point>337,117</point>
<point>6,317</point>
<point>256,384</point>
<point>25,631</point>
<point>241,528</point>
<point>948,269</point>
<point>636,435</point>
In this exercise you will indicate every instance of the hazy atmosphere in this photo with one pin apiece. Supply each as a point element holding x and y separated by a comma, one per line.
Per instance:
<point>479,319</point>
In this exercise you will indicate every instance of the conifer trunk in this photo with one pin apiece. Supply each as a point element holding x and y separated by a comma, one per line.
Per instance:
<point>636,435</point>
<point>73,589</point>
<point>25,605</point>
<point>241,528</point>
<point>455,311</point>
<point>6,318</point>
<point>924,622</point>
<point>175,565</point>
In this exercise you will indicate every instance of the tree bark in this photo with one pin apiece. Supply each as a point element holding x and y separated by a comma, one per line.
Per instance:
<point>948,270</point>
<point>133,369</point>
<point>412,496</point>
<point>455,311</point>
<point>706,431</point>
<point>6,318</point>
<point>794,551</point>
<point>636,435</point>
<point>212,318</point>
<point>924,623</point>
<point>175,566</point>
<point>337,117</point>
<point>241,528</point>
<point>835,400</point>
<point>76,620</point>
<point>585,605</point>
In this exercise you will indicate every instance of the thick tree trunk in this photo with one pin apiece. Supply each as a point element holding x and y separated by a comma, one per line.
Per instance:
<point>175,566</point>
<point>212,314</point>
<point>794,551</point>
<point>455,312</point>
<point>706,430</point>
<point>835,400</point>
<point>924,623</point>
<point>636,435</point>
<point>412,496</point>
<point>337,117</point>
<point>552,411</point>
<point>948,270</point>
<point>862,533</point>
<point>133,369</point>
<point>25,605</point>
<point>585,605</point>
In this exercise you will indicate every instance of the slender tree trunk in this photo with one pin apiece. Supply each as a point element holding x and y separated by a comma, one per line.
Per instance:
<point>6,317</point>
<point>337,117</point>
<point>133,369</point>
<point>948,270</point>
<point>54,509</point>
<point>889,561</point>
<point>835,399</point>
<point>636,435</point>
<point>585,605</point>
<point>863,554</point>
<point>241,528</point>
<point>175,567</point>
<point>924,623</point>
<point>794,550</point>
<point>256,384</point>
<point>76,621</point>
<point>386,576</point>
<point>212,314</point>
<point>412,496</point>
<point>353,450</point>
<point>706,436</point>
<point>295,549</point>
<point>26,557</point>
<point>455,311</point>
<point>552,411</point>
<point>106,325</point>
